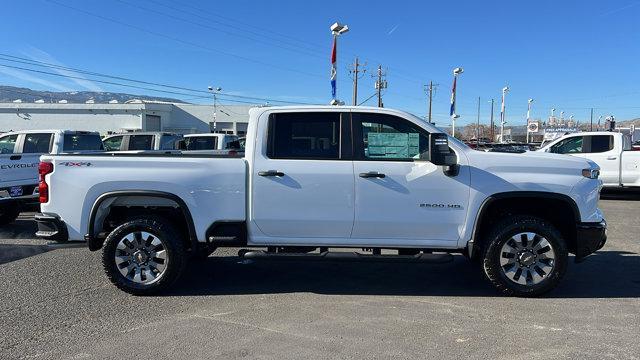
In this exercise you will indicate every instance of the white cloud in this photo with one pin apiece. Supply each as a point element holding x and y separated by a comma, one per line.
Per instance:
<point>18,74</point>
<point>41,55</point>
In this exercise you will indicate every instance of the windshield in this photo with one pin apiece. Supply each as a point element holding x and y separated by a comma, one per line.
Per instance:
<point>82,142</point>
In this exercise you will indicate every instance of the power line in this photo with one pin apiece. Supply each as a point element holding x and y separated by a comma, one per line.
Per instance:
<point>186,42</point>
<point>153,89</point>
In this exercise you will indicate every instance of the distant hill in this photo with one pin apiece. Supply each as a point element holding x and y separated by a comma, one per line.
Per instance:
<point>626,123</point>
<point>12,93</point>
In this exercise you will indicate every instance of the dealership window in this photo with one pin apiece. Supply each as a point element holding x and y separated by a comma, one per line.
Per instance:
<point>37,144</point>
<point>113,143</point>
<point>304,136</point>
<point>8,144</point>
<point>601,143</point>
<point>387,137</point>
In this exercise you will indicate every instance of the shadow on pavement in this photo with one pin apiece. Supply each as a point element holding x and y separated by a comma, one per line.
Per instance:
<point>9,253</point>
<point>620,194</point>
<point>607,274</point>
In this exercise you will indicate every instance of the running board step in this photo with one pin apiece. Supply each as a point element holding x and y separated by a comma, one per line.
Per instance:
<point>346,256</point>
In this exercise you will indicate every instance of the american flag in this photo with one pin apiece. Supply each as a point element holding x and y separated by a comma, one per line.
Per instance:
<point>453,97</point>
<point>334,71</point>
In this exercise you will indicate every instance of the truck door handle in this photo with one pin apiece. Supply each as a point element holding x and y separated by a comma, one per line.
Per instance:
<point>271,173</point>
<point>611,157</point>
<point>372,174</point>
<point>15,157</point>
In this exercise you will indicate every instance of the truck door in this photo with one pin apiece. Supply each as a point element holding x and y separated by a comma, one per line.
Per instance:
<point>302,179</point>
<point>601,149</point>
<point>398,196</point>
<point>15,168</point>
<point>629,164</point>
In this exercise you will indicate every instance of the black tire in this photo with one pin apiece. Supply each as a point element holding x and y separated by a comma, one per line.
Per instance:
<point>492,253</point>
<point>9,213</point>
<point>171,242</point>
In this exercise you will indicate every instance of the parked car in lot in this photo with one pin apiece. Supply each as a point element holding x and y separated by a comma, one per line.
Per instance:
<point>612,151</point>
<point>141,141</point>
<point>315,178</point>
<point>209,141</point>
<point>19,157</point>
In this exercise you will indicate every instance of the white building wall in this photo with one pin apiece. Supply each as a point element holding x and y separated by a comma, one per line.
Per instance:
<point>105,118</point>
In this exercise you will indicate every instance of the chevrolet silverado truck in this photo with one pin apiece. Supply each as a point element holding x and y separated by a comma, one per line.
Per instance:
<point>613,152</point>
<point>316,179</point>
<point>19,157</point>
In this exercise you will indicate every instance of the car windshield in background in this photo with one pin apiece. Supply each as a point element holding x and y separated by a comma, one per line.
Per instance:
<point>82,142</point>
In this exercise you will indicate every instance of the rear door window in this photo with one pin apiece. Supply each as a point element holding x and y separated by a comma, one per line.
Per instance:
<point>201,143</point>
<point>601,143</point>
<point>304,136</point>
<point>37,143</point>
<point>8,144</point>
<point>113,143</point>
<point>82,142</point>
<point>141,142</point>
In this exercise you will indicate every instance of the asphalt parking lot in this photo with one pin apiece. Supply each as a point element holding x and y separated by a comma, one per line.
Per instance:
<point>55,303</point>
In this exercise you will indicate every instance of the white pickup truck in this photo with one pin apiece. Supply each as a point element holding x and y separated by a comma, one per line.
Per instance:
<point>315,178</point>
<point>619,162</point>
<point>19,156</point>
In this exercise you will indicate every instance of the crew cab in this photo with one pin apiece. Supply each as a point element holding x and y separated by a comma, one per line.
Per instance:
<point>19,156</point>
<point>612,151</point>
<point>317,178</point>
<point>143,140</point>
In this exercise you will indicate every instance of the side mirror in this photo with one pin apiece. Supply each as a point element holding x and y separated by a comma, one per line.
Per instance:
<point>439,152</point>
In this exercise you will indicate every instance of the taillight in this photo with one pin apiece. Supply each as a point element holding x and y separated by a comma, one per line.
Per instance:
<point>43,188</point>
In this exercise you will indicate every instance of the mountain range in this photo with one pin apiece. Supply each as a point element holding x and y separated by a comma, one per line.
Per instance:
<point>12,93</point>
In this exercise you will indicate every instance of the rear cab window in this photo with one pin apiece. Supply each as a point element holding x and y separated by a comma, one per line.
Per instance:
<point>82,142</point>
<point>37,143</point>
<point>201,143</point>
<point>8,144</point>
<point>312,135</point>
<point>169,142</point>
<point>140,142</point>
<point>599,143</point>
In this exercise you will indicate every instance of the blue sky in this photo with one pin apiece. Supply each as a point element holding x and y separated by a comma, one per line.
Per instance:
<point>571,55</point>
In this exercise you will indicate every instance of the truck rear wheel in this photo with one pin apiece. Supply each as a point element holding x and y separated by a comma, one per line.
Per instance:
<point>144,256</point>
<point>524,256</point>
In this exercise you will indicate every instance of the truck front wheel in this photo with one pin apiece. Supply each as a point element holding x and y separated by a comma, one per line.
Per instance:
<point>524,256</point>
<point>143,256</point>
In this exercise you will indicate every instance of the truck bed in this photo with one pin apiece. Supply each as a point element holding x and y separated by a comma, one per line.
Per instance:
<point>212,186</point>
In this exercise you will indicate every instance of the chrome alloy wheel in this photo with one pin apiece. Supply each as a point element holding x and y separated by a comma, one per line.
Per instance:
<point>527,258</point>
<point>141,257</point>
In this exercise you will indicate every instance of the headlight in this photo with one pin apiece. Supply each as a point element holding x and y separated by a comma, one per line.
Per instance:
<point>590,173</point>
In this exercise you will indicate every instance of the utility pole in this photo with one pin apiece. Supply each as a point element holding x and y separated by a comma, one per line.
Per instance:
<point>430,90</point>
<point>380,84</point>
<point>355,71</point>
<point>491,132</point>
<point>591,127</point>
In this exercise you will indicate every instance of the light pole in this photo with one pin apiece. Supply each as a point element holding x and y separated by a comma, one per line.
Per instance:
<point>215,92</point>
<point>503,121</point>
<point>492,125</point>
<point>528,116</point>
<point>457,71</point>
<point>336,29</point>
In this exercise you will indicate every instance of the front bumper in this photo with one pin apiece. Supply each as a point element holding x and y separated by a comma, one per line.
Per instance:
<point>50,227</point>
<point>590,237</point>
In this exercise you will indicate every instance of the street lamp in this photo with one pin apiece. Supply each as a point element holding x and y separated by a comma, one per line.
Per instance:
<point>215,92</point>
<point>505,90</point>
<point>337,29</point>
<point>457,71</point>
<point>528,116</point>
